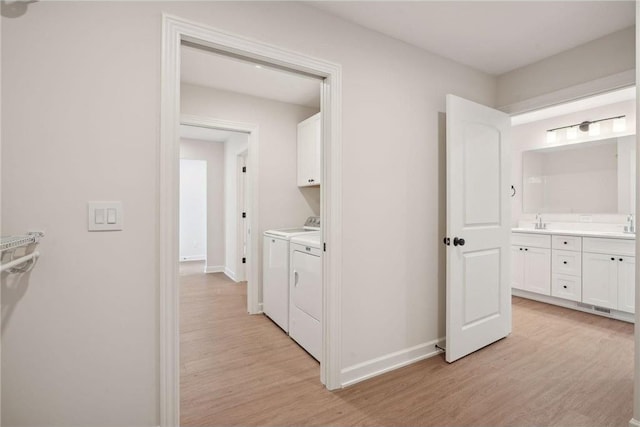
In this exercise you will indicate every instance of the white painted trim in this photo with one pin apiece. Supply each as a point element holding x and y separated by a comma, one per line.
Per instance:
<point>634,423</point>
<point>214,269</point>
<point>193,258</point>
<point>260,308</point>
<point>230,274</point>
<point>252,188</point>
<point>573,93</point>
<point>174,31</point>
<point>374,367</point>
<point>615,314</point>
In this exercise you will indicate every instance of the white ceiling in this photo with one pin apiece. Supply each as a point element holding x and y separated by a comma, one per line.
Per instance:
<point>204,68</point>
<point>492,36</point>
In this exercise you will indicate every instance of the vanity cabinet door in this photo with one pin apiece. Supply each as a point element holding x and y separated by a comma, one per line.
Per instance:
<point>600,280</point>
<point>627,284</point>
<point>537,270</point>
<point>517,267</point>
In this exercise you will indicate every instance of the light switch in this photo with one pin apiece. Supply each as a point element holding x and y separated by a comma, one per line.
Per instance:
<point>111,216</point>
<point>99,216</point>
<point>105,216</point>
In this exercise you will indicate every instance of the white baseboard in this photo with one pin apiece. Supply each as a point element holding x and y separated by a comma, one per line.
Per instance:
<point>389,362</point>
<point>214,269</point>
<point>230,274</point>
<point>260,308</point>
<point>634,423</point>
<point>193,258</point>
<point>614,314</point>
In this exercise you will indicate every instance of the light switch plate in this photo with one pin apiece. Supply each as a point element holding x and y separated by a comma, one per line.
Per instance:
<point>106,213</point>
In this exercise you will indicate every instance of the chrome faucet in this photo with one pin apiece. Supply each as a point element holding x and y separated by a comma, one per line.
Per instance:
<point>539,225</point>
<point>630,227</point>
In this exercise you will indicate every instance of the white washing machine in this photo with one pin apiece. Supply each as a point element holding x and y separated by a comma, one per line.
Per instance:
<point>305,306</point>
<point>275,270</point>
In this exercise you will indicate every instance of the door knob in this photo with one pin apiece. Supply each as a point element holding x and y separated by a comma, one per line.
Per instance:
<point>458,242</point>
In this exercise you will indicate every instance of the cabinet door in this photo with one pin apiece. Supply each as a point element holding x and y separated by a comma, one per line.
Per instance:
<point>600,280</point>
<point>627,284</point>
<point>517,267</point>
<point>537,270</point>
<point>309,153</point>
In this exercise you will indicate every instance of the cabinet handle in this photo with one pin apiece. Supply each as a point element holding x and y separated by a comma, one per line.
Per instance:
<point>295,278</point>
<point>311,180</point>
<point>564,262</point>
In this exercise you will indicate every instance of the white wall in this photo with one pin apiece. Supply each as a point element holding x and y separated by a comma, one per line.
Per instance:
<point>532,136</point>
<point>193,210</point>
<point>80,115</point>
<point>213,154</point>
<point>234,146</point>
<point>599,59</point>
<point>282,204</point>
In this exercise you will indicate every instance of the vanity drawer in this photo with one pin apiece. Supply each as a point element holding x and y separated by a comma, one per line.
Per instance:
<point>566,262</point>
<point>531,240</point>
<point>568,243</point>
<point>567,287</point>
<point>609,246</point>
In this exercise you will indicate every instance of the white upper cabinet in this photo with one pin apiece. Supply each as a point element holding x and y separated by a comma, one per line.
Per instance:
<point>309,151</point>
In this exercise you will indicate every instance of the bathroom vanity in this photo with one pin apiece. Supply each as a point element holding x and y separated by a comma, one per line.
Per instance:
<point>591,271</point>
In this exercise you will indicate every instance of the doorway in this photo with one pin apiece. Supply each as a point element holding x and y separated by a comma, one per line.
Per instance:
<point>176,32</point>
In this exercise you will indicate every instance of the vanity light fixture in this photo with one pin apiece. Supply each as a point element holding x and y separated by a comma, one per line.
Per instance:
<point>590,126</point>
<point>620,124</point>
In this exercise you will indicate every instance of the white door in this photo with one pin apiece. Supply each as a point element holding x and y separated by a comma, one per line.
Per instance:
<point>600,280</point>
<point>243,225</point>
<point>537,270</point>
<point>478,226</point>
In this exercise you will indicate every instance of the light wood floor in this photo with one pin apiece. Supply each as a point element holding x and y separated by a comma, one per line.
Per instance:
<point>559,367</point>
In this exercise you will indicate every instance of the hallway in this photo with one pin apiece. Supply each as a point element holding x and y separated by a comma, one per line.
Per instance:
<point>559,367</point>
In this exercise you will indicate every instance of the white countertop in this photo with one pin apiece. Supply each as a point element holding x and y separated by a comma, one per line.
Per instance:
<point>606,234</point>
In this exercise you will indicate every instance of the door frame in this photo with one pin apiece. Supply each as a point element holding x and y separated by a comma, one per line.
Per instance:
<point>243,192</point>
<point>176,30</point>
<point>253,304</point>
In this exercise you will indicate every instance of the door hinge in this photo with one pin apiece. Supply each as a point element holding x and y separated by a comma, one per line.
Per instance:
<point>244,214</point>
<point>244,169</point>
<point>244,260</point>
<point>324,247</point>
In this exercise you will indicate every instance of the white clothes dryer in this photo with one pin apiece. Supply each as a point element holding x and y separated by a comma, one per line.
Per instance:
<point>305,306</point>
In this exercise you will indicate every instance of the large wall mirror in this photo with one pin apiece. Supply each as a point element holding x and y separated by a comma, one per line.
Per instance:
<point>590,177</point>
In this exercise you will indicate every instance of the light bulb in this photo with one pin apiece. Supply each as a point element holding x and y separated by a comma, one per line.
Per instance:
<point>620,124</point>
<point>572,132</point>
<point>551,136</point>
<point>594,129</point>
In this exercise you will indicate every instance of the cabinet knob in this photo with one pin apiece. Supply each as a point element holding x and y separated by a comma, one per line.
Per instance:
<point>565,243</point>
<point>613,259</point>
<point>311,180</point>
<point>520,248</point>
<point>526,249</point>
<point>564,262</point>
<point>620,259</point>
<point>564,286</point>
